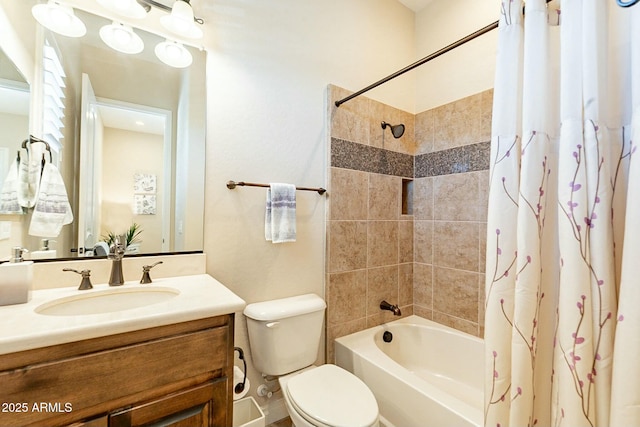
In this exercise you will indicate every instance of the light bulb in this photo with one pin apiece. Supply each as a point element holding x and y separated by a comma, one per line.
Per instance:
<point>60,17</point>
<point>121,38</point>
<point>121,35</point>
<point>173,51</point>
<point>173,54</point>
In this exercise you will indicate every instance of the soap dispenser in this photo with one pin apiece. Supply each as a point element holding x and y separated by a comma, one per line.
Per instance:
<point>15,279</point>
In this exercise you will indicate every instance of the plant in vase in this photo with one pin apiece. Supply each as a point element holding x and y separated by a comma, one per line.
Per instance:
<point>132,237</point>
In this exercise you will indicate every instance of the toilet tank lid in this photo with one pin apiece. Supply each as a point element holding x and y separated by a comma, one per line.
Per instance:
<point>285,307</point>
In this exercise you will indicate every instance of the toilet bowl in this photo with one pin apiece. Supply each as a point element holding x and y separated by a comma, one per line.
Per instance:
<point>328,396</point>
<point>284,336</point>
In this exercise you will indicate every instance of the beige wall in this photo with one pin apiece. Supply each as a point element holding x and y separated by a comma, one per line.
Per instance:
<point>269,67</point>
<point>133,152</point>
<point>464,71</point>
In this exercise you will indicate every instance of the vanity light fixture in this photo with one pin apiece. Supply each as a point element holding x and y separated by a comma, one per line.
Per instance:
<point>122,38</point>
<point>128,8</point>
<point>59,19</point>
<point>173,54</point>
<point>181,22</point>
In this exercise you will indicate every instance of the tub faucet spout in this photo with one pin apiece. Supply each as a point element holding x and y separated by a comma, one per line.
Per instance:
<point>393,308</point>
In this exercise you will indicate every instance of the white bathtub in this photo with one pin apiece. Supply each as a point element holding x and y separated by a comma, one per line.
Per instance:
<point>428,375</point>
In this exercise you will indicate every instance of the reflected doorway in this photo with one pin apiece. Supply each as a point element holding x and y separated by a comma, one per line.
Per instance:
<point>125,173</point>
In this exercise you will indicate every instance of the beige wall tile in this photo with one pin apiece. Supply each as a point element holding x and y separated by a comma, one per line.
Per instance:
<point>405,241</point>
<point>423,241</point>
<point>382,243</point>
<point>346,296</point>
<point>456,323</point>
<point>458,123</point>
<point>456,245</point>
<point>482,247</point>
<point>423,285</point>
<point>481,299</point>
<point>349,121</point>
<point>382,284</point>
<point>455,197</point>
<point>423,198</point>
<point>341,330</point>
<point>443,132</point>
<point>405,284</point>
<point>384,196</point>
<point>349,194</point>
<point>486,106</point>
<point>347,245</point>
<point>468,113</point>
<point>483,194</point>
<point>387,316</point>
<point>424,123</point>
<point>423,312</point>
<point>455,292</point>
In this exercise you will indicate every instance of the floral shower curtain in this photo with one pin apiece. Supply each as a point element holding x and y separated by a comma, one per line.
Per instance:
<point>562,313</point>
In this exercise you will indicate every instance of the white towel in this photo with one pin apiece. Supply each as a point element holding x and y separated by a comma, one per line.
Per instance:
<point>29,174</point>
<point>280,213</point>
<point>9,194</point>
<point>52,209</point>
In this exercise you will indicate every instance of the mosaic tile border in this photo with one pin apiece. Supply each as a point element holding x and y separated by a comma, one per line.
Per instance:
<point>351,155</point>
<point>467,158</point>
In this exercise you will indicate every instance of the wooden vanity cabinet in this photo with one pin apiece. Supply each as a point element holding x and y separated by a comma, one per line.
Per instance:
<point>175,375</point>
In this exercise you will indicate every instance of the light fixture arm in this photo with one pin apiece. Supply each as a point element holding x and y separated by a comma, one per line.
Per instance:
<point>147,4</point>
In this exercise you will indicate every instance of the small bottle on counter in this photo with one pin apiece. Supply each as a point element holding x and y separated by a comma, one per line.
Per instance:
<point>16,277</point>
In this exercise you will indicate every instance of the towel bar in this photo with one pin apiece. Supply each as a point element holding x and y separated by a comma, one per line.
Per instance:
<point>233,184</point>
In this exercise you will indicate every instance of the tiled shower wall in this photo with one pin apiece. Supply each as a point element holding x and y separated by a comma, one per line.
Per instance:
<point>429,259</point>
<point>450,205</point>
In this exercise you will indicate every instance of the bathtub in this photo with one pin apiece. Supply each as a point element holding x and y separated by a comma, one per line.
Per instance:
<point>428,375</point>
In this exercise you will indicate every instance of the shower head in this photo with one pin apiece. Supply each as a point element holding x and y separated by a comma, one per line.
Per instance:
<point>396,130</point>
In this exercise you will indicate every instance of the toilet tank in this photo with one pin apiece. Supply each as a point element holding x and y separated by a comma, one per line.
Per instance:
<point>284,334</point>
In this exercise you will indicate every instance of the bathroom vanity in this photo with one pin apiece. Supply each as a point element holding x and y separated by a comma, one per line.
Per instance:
<point>170,362</point>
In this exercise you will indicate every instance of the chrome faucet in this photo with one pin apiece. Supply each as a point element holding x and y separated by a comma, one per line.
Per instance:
<point>116,253</point>
<point>394,308</point>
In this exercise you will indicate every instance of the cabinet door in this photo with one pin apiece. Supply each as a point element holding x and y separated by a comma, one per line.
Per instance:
<point>201,406</point>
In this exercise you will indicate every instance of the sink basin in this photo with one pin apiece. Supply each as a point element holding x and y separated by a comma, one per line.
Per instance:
<point>107,301</point>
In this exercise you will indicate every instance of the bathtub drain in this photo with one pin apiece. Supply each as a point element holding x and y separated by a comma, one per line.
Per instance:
<point>387,336</point>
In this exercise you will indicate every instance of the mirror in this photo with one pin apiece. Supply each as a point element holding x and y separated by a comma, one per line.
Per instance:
<point>14,125</point>
<point>131,142</point>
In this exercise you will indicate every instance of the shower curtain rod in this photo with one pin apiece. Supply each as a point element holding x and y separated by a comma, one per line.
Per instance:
<point>424,60</point>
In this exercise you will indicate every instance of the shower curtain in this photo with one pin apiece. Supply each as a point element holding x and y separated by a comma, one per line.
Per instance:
<point>562,310</point>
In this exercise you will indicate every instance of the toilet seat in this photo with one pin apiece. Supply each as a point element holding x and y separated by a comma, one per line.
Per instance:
<point>331,396</point>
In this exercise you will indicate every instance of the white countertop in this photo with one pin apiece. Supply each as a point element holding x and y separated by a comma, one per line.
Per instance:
<point>21,328</point>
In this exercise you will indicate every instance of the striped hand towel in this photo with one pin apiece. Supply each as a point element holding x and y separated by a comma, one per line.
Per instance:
<point>52,210</point>
<point>280,213</point>
<point>9,194</point>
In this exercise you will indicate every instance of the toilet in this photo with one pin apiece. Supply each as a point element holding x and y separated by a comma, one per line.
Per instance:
<point>284,336</point>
